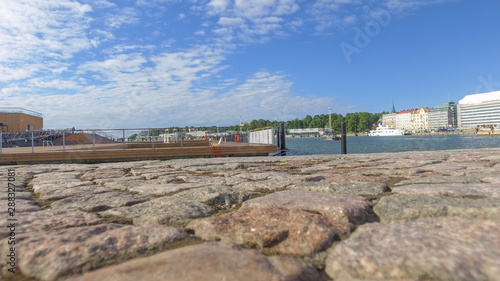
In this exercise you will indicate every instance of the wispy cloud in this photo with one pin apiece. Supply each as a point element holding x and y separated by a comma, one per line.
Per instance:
<point>126,15</point>
<point>250,21</point>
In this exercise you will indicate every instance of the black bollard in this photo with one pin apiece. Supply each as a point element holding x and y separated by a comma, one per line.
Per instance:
<point>343,132</point>
<point>281,141</point>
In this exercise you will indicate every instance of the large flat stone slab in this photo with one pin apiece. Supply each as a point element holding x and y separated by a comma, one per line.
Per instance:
<point>122,179</point>
<point>409,207</point>
<point>21,206</point>
<point>209,261</point>
<point>158,189</point>
<point>354,188</point>
<point>56,175</point>
<point>212,180</point>
<point>52,219</point>
<point>163,210</point>
<point>337,207</point>
<point>439,180</point>
<point>224,197</point>
<point>273,230</point>
<point>57,254</point>
<point>426,249</point>
<point>99,202</point>
<point>477,190</point>
<point>60,189</point>
<point>104,173</point>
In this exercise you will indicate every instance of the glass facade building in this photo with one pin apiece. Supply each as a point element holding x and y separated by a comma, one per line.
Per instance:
<point>443,116</point>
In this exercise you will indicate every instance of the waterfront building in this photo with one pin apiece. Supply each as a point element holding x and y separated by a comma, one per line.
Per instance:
<point>420,119</point>
<point>306,132</point>
<point>403,119</point>
<point>389,119</point>
<point>443,116</point>
<point>479,110</point>
<point>16,119</point>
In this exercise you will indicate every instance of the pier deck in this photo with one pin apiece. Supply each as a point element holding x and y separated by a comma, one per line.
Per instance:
<point>133,151</point>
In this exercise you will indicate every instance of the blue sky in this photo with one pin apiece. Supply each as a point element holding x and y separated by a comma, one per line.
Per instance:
<point>160,63</point>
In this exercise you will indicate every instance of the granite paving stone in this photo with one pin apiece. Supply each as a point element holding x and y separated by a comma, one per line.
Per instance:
<point>476,190</point>
<point>99,202</point>
<point>51,219</point>
<point>409,206</point>
<point>163,210</point>
<point>52,176</point>
<point>337,207</point>
<point>56,190</point>
<point>426,249</point>
<point>209,261</point>
<point>223,197</point>
<point>274,230</point>
<point>440,179</point>
<point>103,173</point>
<point>156,189</point>
<point>122,179</point>
<point>355,188</point>
<point>57,254</point>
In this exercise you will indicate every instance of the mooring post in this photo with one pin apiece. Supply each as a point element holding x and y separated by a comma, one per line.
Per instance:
<point>32,142</point>
<point>282,141</point>
<point>343,132</point>
<point>152,140</point>
<point>123,139</point>
<point>93,140</point>
<point>64,141</point>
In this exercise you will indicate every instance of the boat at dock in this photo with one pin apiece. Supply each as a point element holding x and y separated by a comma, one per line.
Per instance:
<point>332,137</point>
<point>383,131</point>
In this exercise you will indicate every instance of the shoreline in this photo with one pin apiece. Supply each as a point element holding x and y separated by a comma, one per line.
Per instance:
<point>495,133</point>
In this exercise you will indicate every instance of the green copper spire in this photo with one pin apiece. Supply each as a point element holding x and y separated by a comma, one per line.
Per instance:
<point>393,108</point>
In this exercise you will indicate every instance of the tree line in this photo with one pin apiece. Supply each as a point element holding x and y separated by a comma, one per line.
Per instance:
<point>356,122</point>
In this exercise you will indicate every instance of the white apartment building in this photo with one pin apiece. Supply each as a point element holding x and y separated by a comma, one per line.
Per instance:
<point>420,119</point>
<point>404,120</point>
<point>479,110</point>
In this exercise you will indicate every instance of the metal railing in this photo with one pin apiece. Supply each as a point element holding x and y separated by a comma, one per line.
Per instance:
<point>100,139</point>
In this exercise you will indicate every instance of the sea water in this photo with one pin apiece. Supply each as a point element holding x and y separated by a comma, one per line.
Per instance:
<point>308,146</point>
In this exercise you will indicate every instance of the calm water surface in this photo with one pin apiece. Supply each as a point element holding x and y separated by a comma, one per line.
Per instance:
<point>307,146</point>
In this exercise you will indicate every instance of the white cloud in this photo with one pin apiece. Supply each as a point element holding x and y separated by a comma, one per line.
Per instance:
<point>54,84</point>
<point>100,3</point>
<point>121,63</point>
<point>32,33</point>
<point>217,6</point>
<point>250,20</point>
<point>330,14</point>
<point>125,16</point>
<point>13,73</point>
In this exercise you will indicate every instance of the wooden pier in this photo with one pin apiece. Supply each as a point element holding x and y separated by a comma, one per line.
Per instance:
<point>89,153</point>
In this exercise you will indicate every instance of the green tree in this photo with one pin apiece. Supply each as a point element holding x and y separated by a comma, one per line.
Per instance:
<point>307,121</point>
<point>352,120</point>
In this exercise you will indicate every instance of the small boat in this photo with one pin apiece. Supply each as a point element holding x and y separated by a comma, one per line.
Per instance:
<point>332,137</point>
<point>382,131</point>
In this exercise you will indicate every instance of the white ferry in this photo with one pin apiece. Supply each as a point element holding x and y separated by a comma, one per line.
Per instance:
<point>382,131</point>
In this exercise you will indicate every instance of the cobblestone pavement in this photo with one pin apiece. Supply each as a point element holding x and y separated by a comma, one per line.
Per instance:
<point>395,216</point>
